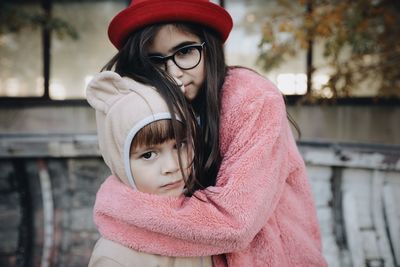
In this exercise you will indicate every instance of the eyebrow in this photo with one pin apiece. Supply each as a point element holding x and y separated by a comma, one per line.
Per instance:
<point>175,48</point>
<point>141,150</point>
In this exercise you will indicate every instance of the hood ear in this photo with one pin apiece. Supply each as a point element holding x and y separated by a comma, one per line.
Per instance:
<point>106,87</point>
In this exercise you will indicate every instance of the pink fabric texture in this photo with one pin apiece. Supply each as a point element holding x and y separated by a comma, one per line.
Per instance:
<point>261,211</point>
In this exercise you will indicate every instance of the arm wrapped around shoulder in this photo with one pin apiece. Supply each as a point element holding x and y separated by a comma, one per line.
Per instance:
<point>255,144</point>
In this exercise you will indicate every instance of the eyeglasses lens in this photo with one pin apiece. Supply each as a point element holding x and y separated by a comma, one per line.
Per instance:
<point>187,57</point>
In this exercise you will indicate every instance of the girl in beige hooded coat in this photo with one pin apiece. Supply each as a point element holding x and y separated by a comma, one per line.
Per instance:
<point>146,149</point>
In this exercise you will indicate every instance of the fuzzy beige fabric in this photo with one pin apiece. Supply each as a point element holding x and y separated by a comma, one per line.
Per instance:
<point>123,106</point>
<point>107,253</point>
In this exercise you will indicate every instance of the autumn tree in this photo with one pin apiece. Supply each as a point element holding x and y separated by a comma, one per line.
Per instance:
<point>361,41</point>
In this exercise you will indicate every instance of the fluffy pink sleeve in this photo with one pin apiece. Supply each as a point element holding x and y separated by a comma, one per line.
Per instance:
<point>255,144</point>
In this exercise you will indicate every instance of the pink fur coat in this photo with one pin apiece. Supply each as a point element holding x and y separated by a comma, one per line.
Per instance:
<point>261,211</point>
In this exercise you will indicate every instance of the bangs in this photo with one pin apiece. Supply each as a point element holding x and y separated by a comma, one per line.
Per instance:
<point>157,133</point>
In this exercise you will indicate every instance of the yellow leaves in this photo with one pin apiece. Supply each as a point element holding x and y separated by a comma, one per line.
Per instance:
<point>327,19</point>
<point>361,39</point>
<point>268,33</point>
<point>323,30</point>
<point>304,2</point>
<point>286,26</point>
<point>302,38</point>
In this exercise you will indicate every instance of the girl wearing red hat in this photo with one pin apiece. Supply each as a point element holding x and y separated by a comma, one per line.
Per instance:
<point>253,205</point>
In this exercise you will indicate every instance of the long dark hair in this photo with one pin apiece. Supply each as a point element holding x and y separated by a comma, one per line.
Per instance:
<point>132,61</point>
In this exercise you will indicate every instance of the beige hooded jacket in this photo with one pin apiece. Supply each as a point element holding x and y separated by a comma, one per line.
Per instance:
<point>107,253</point>
<point>123,107</point>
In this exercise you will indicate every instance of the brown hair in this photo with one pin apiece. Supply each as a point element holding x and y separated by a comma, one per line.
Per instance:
<point>132,61</point>
<point>157,133</point>
<point>162,131</point>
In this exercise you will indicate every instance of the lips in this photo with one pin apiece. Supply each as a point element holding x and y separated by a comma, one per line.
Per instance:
<point>172,185</point>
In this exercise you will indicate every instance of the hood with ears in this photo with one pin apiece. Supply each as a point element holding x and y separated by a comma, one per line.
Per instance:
<point>123,107</point>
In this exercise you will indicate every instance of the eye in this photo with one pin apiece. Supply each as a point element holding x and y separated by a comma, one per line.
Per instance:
<point>148,155</point>
<point>184,51</point>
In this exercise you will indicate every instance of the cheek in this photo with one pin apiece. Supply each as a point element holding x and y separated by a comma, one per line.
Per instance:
<point>187,158</point>
<point>190,155</point>
<point>201,73</point>
<point>198,77</point>
<point>146,185</point>
<point>141,176</point>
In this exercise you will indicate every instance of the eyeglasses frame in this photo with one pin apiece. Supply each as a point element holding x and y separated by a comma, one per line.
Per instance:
<point>165,59</point>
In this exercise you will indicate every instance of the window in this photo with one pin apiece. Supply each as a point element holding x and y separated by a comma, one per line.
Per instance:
<point>350,55</point>
<point>40,64</point>
<point>20,60</point>
<point>242,45</point>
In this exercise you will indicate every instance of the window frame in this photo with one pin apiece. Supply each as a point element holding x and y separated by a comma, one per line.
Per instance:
<point>45,100</point>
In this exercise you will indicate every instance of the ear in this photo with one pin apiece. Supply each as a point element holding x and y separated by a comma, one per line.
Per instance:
<point>103,90</point>
<point>107,87</point>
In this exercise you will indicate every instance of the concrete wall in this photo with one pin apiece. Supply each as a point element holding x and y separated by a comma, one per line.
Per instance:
<point>48,222</point>
<point>345,123</point>
<point>360,124</point>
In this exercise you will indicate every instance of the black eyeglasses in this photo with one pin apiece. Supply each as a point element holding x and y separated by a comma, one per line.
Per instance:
<point>186,57</point>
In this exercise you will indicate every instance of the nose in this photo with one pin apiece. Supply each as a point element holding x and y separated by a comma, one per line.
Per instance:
<point>173,69</point>
<point>170,163</point>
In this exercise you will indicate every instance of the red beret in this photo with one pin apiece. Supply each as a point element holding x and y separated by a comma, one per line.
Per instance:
<point>141,13</point>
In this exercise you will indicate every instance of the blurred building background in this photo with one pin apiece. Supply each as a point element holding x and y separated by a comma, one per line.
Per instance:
<point>336,62</point>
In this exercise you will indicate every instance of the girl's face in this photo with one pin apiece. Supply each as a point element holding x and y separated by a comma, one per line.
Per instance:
<point>166,42</point>
<point>156,170</point>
